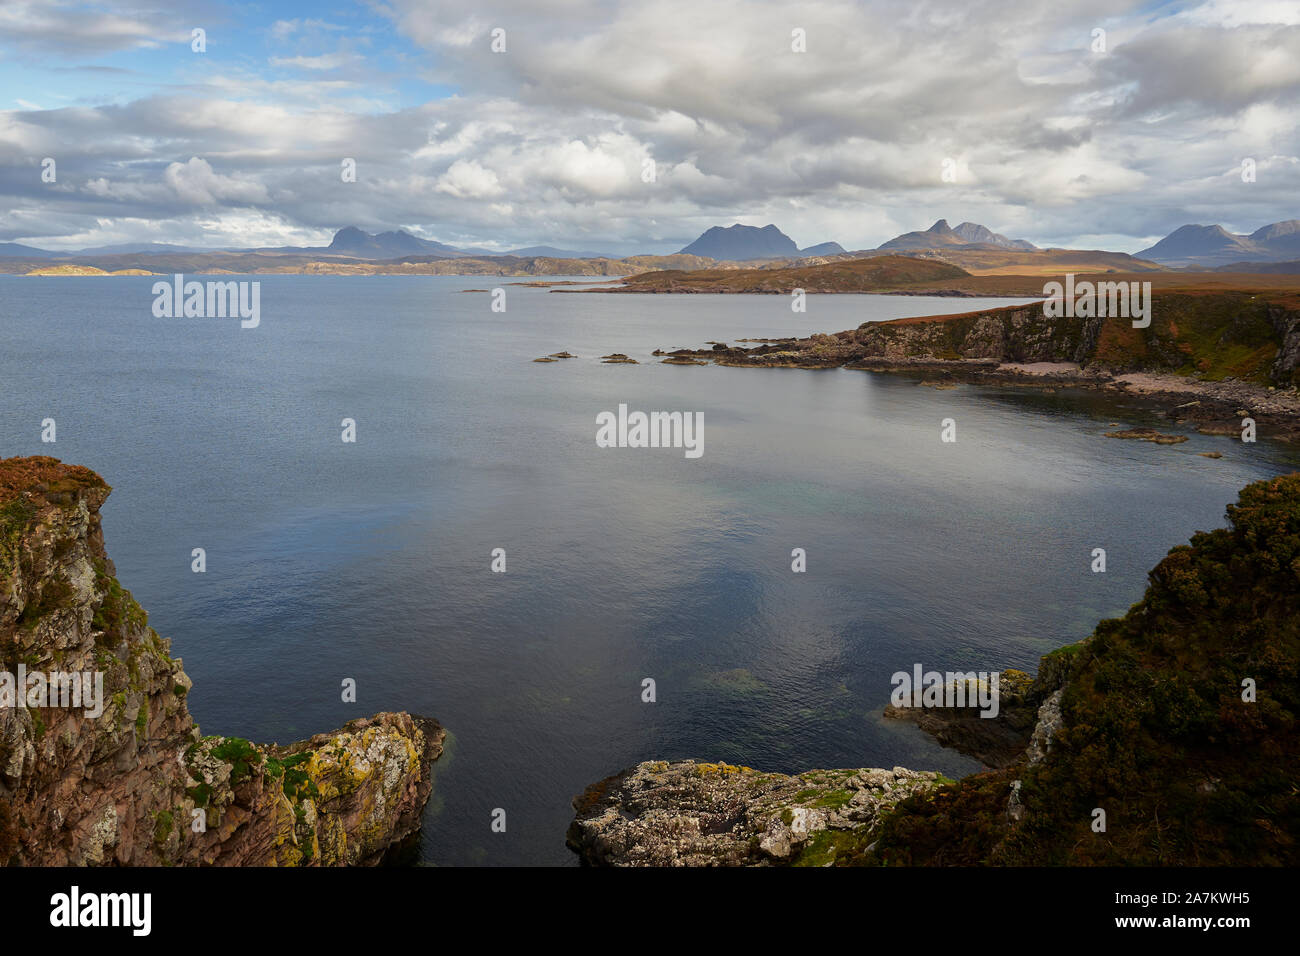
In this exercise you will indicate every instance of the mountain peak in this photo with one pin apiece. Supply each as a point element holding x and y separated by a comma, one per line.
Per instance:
<point>1201,245</point>
<point>351,241</point>
<point>737,242</point>
<point>941,235</point>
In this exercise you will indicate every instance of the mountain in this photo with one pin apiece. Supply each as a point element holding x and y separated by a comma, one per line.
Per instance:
<point>824,249</point>
<point>19,251</point>
<point>967,234</point>
<point>139,248</point>
<point>738,243</point>
<point>1281,239</point>
<point>1213,246</point>
<point>351,241</point>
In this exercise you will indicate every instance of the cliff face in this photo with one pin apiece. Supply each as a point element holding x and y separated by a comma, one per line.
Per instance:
<point>1178,722</point>
<point>105,765</point>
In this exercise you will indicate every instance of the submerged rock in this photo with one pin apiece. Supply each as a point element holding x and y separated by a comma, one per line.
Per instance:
<point>1148,434</point>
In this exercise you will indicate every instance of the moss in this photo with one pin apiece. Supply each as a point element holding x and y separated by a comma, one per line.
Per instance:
<point>163,823</point>
<point>294,776</point>
<point>240,754</point>
<point>838,847</point>
<point>15,516</point>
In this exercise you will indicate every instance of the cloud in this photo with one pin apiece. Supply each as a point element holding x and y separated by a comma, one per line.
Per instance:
<point>326,61</point>
<point>196,182</point>
<point>466,179</point>
<point>74,27</point>
<point>546,142</point>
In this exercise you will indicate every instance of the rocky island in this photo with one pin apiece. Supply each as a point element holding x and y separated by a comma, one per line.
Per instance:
<point>1166,738</point>
<point>100,760</point>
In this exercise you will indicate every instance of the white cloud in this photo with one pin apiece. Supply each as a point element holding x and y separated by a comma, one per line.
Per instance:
<point>466,179</point>
<point>197,182</point>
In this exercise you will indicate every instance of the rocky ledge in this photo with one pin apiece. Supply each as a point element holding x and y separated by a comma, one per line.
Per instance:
<point>705,814</point>
<point>136,783</point>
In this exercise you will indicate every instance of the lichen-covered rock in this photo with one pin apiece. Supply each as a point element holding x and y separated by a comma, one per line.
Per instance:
<point>690,813</point>
<point>123,786</point>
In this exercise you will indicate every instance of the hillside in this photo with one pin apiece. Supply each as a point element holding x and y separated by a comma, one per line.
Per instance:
<point>1151,725</point>
<point>876,274</point>
<point>69,270</point>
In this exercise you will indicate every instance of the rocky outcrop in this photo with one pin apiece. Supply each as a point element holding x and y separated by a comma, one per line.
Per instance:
<point>119,773</point>
<point>689,813</point>
<point>1208,359</point>
<point>995,741</point>
<point>1226,335</point>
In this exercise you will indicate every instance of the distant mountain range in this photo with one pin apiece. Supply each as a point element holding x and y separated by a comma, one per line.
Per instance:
<point>967,234</point>
<point>348,241</point>
<point>746,243</point>
<point>1192,246</point>
<point>1214,246</point>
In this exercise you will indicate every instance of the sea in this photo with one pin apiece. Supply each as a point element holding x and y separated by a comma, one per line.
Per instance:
<point>372,560</point>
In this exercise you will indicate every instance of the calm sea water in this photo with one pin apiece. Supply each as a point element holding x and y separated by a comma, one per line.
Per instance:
<point>370,560</point>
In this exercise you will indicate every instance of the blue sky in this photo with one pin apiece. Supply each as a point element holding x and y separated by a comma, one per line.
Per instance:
<point>1046,136</point>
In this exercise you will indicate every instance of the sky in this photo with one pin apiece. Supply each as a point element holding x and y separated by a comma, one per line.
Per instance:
<point>634,125</point>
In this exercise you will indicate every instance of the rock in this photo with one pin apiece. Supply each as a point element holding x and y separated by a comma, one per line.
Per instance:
<point>1148,434</point>
<point>690,813</point>
<point>1015,809</point>
<point>618,358</point>
<point>1049,722</point>
<point>123,787</point>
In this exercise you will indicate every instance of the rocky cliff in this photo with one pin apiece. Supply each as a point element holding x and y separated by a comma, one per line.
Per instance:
<point>1208,358</point>
<point>1242,335</point>
<point>100,761</point>
<point>1167,738</point>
